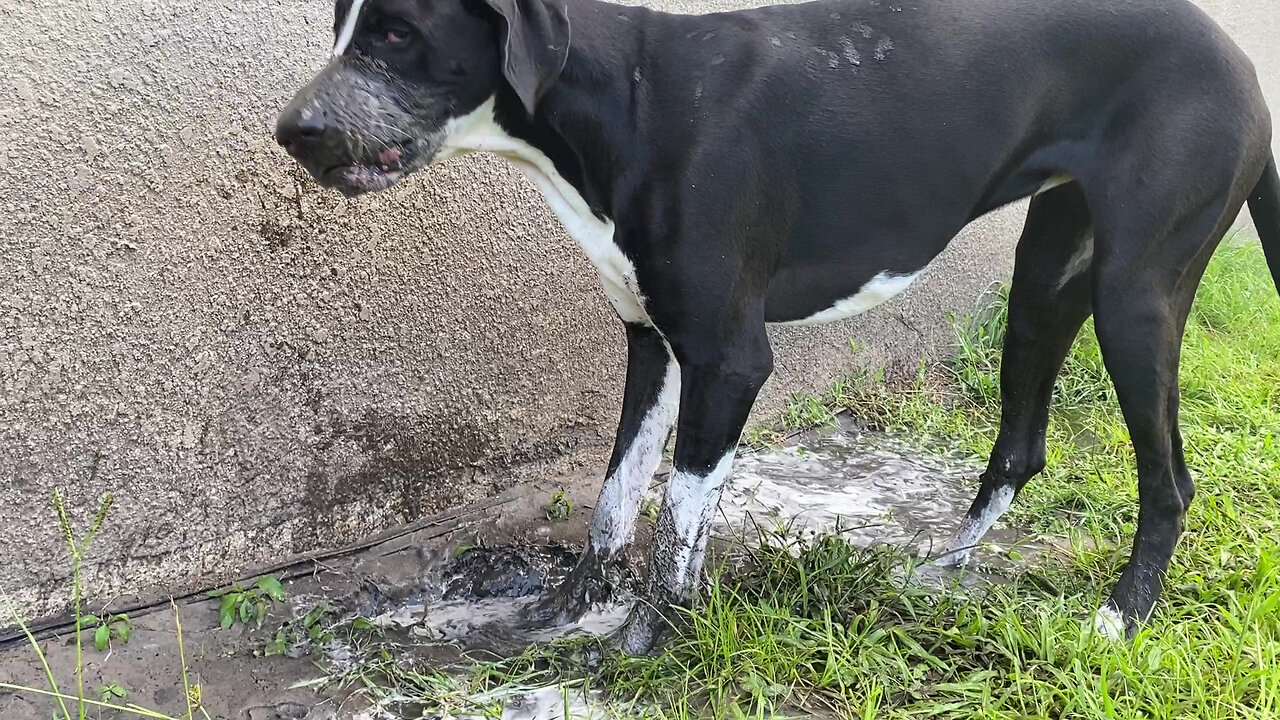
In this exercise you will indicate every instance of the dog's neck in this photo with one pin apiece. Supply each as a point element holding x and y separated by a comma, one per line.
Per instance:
<point>587,122</point>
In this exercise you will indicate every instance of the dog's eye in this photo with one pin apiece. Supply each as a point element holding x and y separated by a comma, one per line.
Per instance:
<point>392,32</point>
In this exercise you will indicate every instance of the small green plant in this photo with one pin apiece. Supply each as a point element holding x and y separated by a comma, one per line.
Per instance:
<point>762,437</point>
<point>78,549</point>
<point>112,692</point>
<point>650,507</point>
<point>315,628</point>
<point>807,411</point>
<point>106,628</point>
<point>560,508</point>
<point>249,605</point>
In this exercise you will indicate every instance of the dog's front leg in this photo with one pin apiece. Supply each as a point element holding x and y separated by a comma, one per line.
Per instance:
<point>648,411</point>
<point>720,377</point>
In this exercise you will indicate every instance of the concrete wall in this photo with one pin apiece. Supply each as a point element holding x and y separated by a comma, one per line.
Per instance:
<point>254,368</point>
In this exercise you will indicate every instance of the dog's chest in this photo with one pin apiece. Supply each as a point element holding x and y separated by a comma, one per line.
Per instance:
<point>478,131</point>
<point>595,237</point>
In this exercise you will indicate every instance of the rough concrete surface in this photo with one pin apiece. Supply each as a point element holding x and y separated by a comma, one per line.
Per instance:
<point>254,368</point>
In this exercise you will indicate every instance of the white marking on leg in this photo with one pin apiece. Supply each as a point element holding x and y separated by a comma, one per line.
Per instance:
<point>691,500</point>
<point>877,290</point>
<point>1077,263</point>
<point>614,520</point>
<point>973,528</point>
<point>348,28</point>
<point>1108,623</point>
<point>478,131</point>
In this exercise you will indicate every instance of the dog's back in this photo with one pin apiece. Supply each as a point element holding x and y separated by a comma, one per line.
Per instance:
<point>888,125</point>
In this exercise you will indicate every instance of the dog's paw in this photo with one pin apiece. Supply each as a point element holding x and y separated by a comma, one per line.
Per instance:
<point>644,631</point>
<point>953,558</point>
<point>1109,623</point>
<point>570,600</point>
<point>558,607</point>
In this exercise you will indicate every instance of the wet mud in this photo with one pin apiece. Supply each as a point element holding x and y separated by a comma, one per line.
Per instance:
<point>455,587</point>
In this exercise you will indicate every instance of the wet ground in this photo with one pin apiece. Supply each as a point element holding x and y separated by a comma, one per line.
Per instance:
<point>453,587</point>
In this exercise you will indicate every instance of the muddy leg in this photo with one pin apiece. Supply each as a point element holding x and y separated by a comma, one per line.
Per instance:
<point>648,411</point>
<point>1048,301</point>
<point>718,386</point>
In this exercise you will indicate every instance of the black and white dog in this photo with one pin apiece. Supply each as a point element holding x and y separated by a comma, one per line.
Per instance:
<point>802,163</point>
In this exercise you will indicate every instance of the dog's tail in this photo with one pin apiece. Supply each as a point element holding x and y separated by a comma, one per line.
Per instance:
<point>1264,206</point>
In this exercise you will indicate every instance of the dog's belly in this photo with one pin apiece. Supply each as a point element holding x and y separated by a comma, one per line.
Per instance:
<point>878,289</point>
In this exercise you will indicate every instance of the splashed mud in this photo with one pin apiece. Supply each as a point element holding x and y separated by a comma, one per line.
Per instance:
<point>871,486</point>
<point>455,587</point>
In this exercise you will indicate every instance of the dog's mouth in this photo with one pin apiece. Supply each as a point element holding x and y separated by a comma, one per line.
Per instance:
<point>353,179</point>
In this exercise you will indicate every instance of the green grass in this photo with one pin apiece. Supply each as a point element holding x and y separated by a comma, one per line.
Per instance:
<point>105,627</point>
<point>1212,651</point>
<point>814,624</point>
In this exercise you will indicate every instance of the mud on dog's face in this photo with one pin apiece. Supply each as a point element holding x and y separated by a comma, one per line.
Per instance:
<point>404,72</point>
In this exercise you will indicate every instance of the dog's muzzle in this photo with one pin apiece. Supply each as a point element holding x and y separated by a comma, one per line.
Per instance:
<point>325,151</point>
<point>355,128</point>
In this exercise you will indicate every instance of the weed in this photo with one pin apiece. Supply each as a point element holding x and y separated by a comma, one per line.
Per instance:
<point>111,692</point>
<point>762,437</point>
<point>807,411</point>
<point>315,629</point>
<point>106,628</point>
<point>248,605</point>
<point>118,626</point>
<point>77,548</point>
<point>560,508</point>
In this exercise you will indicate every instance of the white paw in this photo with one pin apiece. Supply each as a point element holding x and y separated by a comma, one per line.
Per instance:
<point>1108,623</point>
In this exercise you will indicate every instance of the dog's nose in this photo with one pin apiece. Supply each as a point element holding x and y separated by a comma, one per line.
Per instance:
<point>299,126</point>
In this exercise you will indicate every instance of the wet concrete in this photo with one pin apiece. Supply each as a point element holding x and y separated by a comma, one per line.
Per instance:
<point>454,587</point>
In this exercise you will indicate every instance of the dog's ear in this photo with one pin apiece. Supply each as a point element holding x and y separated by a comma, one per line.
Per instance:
<point>534,42</point>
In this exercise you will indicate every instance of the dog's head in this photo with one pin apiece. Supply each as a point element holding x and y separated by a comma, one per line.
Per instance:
<point>404,72</point>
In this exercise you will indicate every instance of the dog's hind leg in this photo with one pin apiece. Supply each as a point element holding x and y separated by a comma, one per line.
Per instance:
<point>648,412</point>
<point>1048,301</point>
<point>1142,295</point>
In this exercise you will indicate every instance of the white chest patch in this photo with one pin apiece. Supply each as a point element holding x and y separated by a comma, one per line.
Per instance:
<point>479,132</point>
<point>877,290</point>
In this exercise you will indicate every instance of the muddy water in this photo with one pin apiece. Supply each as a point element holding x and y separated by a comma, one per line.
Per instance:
<point>870,487</point>
<point>453,588</point>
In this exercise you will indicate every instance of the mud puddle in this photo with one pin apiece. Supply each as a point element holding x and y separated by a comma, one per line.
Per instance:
<point>454,588</point>
<point>476,601</point>
<point>868,486</point>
